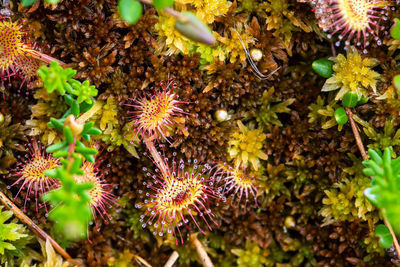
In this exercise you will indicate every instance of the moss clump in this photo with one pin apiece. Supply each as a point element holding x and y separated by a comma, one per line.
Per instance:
<point>352,74</point>
<point>267,113</point>
<point>252,255</point>
<point>246,146</point>
<point>13,238</point>
<point>346,201</point>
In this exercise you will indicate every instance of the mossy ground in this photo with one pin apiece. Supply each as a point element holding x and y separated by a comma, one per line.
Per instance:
<point>310,209</point>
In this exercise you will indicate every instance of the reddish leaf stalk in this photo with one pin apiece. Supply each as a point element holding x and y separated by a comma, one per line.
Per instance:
<point>365,157</point>
<point>45,58</point>
<point>153,151</point>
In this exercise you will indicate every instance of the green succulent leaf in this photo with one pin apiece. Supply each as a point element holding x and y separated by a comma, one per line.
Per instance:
<point>27,2</point>
<point>161,4</point>
<point>75,110</point>
<point>130,10</point>
<point>395,31</point>
<point>85,106</point>
<point>396,82</point>
<point>341,116</point>
<point>385,238</point>
<point>385,184</point>
<point>68,99</point>
<point>56,147</point>
<point>84,91</point>
<point>76,166</point>
<point>323,67</point>
<point>60,154</point>
<point>350,100</point>
<point>94,131</point>
<point>86,137</point>
<point>55,78</point>
<point>58,124</point>
<point>68,135</point>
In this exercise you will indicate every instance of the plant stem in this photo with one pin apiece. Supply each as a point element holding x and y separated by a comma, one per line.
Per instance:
<point>201,251</point>
<point>71,150</point>
<point>365,157</point>
<point>34,227</point>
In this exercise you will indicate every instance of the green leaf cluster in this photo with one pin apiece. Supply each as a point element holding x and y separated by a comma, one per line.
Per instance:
<point>13,238</point>
<point>55,78</point>
<point>71,197</point>
<point>346,201</point>
<point>385,184</point>
<point>72,213</point>
<point>72,200</point>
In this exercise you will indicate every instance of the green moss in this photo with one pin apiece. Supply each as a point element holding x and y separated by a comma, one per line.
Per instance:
<point>267,114</point>
<point>11,137</point>
<point>49,105</point>
<point>252,255</point>
<point>372,246</point>
<point>389,137</point>
<point>246,146</point>
<point>346,201</point>
<point>13,238</point>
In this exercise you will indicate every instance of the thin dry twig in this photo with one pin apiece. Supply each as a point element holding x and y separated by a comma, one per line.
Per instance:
<point>141,261</point>
<point>34,227</point>
<point>201,251</point>
<point>172,259</point>
<point>365,157</point>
